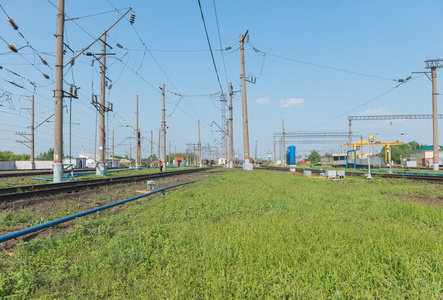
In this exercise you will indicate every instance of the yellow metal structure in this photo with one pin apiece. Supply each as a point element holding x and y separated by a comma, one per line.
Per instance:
<point>358,146</point>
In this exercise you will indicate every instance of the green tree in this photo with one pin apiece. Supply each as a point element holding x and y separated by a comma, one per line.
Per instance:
<point>400,151</point>
<point>314,157</point>
<point>46,155</point>
<point>11,156</point>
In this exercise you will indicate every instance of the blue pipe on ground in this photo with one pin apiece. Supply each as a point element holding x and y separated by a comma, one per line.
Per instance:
<point>71,217</point>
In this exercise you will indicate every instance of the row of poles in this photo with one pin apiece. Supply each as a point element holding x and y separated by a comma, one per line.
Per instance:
<point>102,108</point>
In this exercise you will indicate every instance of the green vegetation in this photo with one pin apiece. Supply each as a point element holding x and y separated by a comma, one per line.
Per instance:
<point>257,235</point>
<point>314,157</point>
<point>10,156</point>
<point>46,155</point>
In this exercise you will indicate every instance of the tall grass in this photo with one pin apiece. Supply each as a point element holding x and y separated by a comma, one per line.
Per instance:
<point>246,235</point>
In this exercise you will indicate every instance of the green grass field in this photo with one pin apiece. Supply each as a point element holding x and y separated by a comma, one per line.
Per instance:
<point>257,235</point>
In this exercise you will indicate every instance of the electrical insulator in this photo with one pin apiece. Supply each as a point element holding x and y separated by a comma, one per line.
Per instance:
<point>46,76</point>
<point>44,61</point>
<point>110,86</point>
<point>89,54</point>
<point>13,49</point>
<point>92,97</point>
<point>92,63</point>
<point>132,19</point>
<point>75,92</point>
<point>120,46</point>
<point>72,61</point>
<point>11,21</point>
<point>70,90</point>
<point>408,78</point>
<point>64,51</point>
<point>247,39</point>
<point>229,48</point>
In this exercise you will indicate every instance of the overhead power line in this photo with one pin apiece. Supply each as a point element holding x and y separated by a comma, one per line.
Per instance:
<point>209,43</point>
<point>321,66</point>
<point>363,104</point>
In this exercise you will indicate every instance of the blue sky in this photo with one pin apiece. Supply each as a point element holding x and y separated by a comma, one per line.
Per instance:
<point>384,39</point>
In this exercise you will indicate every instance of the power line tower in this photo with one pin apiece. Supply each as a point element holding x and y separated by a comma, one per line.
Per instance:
<point>29,140</point>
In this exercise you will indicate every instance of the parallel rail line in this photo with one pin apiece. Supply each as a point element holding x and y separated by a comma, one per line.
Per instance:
<point>23,173</point>
<point>427,178</point>
<point>22,192</point>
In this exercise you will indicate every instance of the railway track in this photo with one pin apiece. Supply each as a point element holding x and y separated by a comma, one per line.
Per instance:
<point>23,173</point>
<point>428,178</point>
<point>22,192</point>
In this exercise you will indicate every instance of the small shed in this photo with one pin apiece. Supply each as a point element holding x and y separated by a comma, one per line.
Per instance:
<point>179,161</point>
<point>425,154</point>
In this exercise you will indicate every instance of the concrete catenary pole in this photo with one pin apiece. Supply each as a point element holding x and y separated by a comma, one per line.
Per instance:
<point>435,119</point>
<point>199,146</point>
<point>58,96</point>
<point>32,134</point>
<point>137,130</point>
<point>163,126</point>
<point>70,122</point>
<point>231,131</point>
<point>284,144</point>
<point>101,165</point>
<point>244,102</point>
<point>228,157</point>
<point>159,141</point>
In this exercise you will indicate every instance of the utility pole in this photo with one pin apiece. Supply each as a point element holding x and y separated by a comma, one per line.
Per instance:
<point>101,164</point>
<point>247,165</point>
<point>137,129</point>
<point>113,164</point>
<point>256,141</point>
<point>169,156</point>
<point>159,141</point>
<point>228,152</point>
<point>58,96</point>
<point>433,64</point>
<point>231,132</point>
<point>284,144</point>
<point>199,146</point>
<point>152,145</point>
<point>274,151</point>
<point>32,134</point>
<point>130,155</point>
<point>163,125</point>
<point>70,122</point>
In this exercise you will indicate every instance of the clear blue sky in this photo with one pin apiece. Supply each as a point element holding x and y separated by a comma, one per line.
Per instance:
<point>385,39</point>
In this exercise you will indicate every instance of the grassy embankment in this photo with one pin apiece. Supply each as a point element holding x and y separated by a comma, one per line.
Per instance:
<point>247,235</point>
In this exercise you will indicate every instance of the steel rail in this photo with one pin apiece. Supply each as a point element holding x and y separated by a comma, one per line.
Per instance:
<point>23,192</point>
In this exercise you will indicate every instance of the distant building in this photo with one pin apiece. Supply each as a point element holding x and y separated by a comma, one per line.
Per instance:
<point>424,155</point>
<point>91,159</point>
